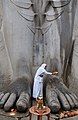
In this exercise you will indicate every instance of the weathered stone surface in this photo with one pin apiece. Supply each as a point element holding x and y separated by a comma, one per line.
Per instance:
<point>71,118</point>
<point>17,94</point>
<point>34,38</point>
<point>4,99</point>
<point>23,102</point>
<point>27,40</point>
<point>10,102</point>
<point>18,39</point>
<point>58,96</point>
<point>73,80</point>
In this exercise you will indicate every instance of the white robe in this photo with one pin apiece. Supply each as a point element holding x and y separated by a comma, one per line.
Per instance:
<point>38,81</point>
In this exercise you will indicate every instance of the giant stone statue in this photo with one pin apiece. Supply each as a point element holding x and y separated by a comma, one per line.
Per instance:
<point>33,32</point>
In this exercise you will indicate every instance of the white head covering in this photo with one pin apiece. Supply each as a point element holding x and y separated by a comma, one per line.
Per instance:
<point>40,70</point>
<point>43,65</point>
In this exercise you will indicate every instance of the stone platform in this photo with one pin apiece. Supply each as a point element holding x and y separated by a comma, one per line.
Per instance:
<point>5,117</point>
<point>34,118</point>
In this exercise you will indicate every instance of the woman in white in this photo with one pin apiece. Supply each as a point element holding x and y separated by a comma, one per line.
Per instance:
<point>38,81</point>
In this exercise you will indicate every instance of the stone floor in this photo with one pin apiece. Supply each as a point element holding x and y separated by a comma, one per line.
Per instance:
<point>26,118</point>
<point>35,118</point>
<point>6,116</point>
<point>71,118</point>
